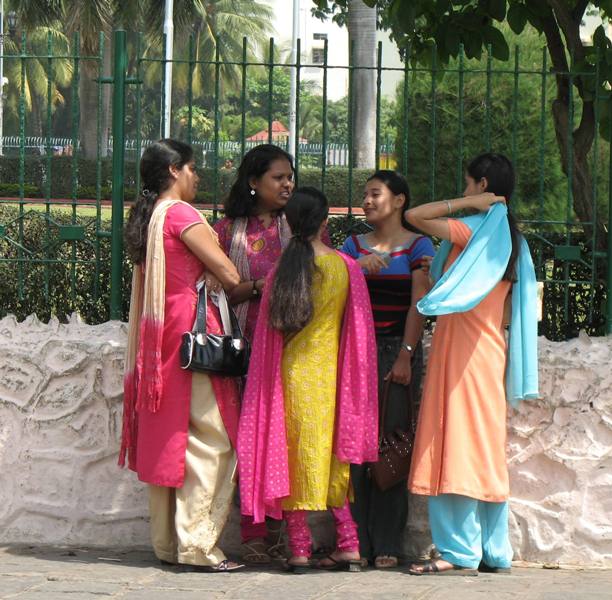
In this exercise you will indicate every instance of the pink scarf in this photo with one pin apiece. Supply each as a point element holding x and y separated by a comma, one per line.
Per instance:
<point>262,440</point>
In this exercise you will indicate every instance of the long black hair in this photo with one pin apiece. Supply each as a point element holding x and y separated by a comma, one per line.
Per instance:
<point>291,305</point>
<point>398,185</point>
<point>256,162</point>
<point>499,173</point>
<point>156,178</point>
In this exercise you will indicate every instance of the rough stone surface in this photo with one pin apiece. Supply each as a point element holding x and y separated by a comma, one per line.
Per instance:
<point>60,415</point>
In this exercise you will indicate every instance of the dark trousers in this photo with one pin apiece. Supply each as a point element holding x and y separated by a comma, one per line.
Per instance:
<point>381,516</point>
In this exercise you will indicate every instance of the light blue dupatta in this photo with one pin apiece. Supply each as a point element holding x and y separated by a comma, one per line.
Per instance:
<point>477,270</point>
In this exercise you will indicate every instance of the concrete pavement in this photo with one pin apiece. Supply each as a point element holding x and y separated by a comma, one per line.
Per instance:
<point>45,573</point>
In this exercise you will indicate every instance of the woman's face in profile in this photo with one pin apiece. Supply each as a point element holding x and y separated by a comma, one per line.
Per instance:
<point>473,187</point>
<point>187,180</point>
<point>379,202</point>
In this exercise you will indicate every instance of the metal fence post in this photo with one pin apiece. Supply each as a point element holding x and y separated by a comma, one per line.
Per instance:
<point>119,75</point>
<point>609,244</point>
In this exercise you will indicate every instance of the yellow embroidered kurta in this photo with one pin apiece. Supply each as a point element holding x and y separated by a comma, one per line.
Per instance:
<point>310,363</point>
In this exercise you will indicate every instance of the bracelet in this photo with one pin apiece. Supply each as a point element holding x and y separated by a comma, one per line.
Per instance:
<point>407,347</point>
<point>448,205</point>
<point>254,290</point>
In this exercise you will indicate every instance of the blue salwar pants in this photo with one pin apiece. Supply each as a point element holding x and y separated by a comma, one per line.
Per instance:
<point>466,531</point>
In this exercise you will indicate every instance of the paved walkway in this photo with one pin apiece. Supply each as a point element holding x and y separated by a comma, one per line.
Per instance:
<point>28,573</point>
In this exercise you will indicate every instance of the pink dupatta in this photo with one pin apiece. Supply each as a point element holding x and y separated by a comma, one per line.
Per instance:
<point>262,440</point>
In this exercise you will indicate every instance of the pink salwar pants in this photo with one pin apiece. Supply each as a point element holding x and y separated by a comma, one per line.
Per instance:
<point>300,540</point>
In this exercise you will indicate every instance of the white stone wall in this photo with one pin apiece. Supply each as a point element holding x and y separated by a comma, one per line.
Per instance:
<point>60,423</point>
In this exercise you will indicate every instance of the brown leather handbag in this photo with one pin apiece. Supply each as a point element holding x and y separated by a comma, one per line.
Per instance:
<point>394,448</point>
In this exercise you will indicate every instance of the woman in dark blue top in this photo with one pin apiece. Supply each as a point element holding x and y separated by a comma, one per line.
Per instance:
<point>392,259</point>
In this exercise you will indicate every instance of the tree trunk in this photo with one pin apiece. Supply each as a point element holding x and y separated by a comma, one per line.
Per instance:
<point>582,181</point>
<point>88,96</point>
<point>362,37</point>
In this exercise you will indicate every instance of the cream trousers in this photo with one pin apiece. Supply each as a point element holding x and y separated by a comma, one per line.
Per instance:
<point>186,522</point>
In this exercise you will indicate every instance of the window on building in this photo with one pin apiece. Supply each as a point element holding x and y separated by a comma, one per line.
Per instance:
<point>319,36</point>
<point>318,55</point>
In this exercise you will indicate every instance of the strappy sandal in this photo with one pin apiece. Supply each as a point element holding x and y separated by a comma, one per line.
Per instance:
<point>352,565</point>
<point>385,561</point>
<point>278,549</point>
<point>430,567</point>
<point>225,566</point>
<point>256,552</point>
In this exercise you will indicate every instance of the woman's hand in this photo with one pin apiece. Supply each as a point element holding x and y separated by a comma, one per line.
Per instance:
<point>483,202</point>
<point>372,263</point>
<point>212,283</point>
<point>401,372</point>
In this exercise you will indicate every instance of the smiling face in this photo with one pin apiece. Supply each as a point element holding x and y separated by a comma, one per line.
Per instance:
<point>274,187</point>
<point>380,203</point>
<point>186,181</point>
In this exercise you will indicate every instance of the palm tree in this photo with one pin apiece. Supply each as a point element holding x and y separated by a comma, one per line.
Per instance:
<point>361,25</point>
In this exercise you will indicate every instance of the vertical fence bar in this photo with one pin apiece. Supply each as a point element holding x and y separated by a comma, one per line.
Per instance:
<point>76,115</point>
<point>162,120</point>
<point>488,101</point>
<point>298,69</point>
<point>595,175</point>
<point>243,99</point>
<point>460,94</point>
<point>378,99</point>
<point>434,74</point>
<point>609,248</point>
<point>270,88</point>
<point>570,183</point>
<point>405,115</point>
<point>350,127</point>
<point>542,134</point>
<point>22,122</point>
<point>216,131</point>
<point>190,89</point>
<point>99,162</point>
<point>139,47</point>
<point>324,118</point>
<point>48,153</point>
<point>119,73</point>
<point>515,96</point>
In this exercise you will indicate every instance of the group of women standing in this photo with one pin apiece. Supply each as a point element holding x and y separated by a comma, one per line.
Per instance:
<point>330,331</point>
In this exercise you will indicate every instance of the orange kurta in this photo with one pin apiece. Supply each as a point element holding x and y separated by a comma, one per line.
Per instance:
<point>460,445</point>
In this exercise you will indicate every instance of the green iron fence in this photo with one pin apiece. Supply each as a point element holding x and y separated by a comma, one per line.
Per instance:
<point>61,215</point>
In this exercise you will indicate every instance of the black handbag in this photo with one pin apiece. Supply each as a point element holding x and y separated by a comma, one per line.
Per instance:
<point>394,448</point>
<point>226,354</point>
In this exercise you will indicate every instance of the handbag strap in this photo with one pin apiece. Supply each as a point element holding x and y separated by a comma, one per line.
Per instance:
<point>228,316</point>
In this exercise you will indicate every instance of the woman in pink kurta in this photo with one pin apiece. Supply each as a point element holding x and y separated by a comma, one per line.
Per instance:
<point>179,427</point>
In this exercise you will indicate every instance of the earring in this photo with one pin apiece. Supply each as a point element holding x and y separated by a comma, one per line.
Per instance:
<point>252,192</point>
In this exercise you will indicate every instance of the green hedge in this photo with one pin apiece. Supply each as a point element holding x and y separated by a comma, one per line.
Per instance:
<point>37,175</point>
<point>77,278</point>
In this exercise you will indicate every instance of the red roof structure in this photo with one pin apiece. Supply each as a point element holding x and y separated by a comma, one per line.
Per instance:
<point>279,134</point>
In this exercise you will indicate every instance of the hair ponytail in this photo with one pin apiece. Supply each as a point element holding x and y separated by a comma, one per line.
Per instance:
<point>155,175</point>
<point>291,306</point>
<point>497,169</point>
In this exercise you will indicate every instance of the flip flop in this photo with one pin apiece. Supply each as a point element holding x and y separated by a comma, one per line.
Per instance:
<point>298,569</point>
<point>484,568</point>
<point>431,568</point>
<point>352,565</point>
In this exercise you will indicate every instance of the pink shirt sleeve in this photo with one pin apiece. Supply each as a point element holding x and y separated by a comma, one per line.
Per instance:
<point>460,233</point>
<point>180,217</point>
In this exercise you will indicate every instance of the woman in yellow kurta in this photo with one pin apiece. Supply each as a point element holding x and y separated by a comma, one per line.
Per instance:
<point>310,403</point>
<point>459,457</point>
<point>317,478</point>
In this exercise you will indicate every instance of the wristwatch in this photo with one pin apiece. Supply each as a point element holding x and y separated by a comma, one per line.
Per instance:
<point>254,291</point>
<point>407,347</point>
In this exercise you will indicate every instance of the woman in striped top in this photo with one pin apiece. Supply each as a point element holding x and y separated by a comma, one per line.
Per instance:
<point>392,259</point>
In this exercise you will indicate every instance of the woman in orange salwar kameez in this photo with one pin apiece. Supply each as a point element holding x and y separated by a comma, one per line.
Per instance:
<point>459,458</point>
